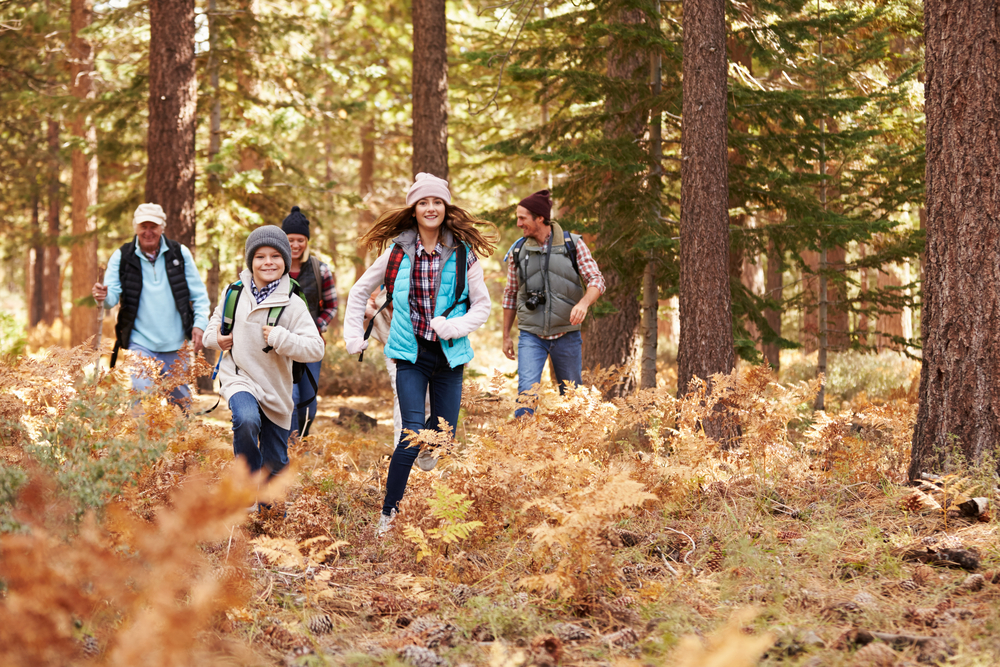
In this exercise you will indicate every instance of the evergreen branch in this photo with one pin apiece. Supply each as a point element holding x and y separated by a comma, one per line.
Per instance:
<point>506,58</point>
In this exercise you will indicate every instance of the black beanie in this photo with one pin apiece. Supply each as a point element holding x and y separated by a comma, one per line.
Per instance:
<point>539,203</point>
<point>296,223</point>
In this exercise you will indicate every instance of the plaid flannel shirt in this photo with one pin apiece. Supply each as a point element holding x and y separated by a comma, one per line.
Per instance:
<point>589,271</point>
<point>328,295</point>
<point>425,275</point>
<point>264,292</point>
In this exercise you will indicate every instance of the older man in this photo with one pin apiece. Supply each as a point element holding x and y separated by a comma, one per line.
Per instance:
<point>163,300</point>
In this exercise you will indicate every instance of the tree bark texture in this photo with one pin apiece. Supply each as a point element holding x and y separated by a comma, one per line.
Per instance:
<point>36,281</point>
<point>366,188</point>
<point>170,142</point>
<point>773,285</point>
<point>706,340</point>
<point>53,290</point>
<point>613,339</point>
<point>959,409</point>
<point>430,88</point>
<point>83,256</point>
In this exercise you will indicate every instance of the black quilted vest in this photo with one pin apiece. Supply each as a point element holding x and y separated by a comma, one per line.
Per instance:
<point>307,283</point>
<point>130,275</point>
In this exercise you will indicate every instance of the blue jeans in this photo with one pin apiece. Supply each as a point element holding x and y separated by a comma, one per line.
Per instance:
<point>181,395</point>
<point>255,437</point>
<point>431,371</point>
<point>532,353</point>
<point>301,391</point>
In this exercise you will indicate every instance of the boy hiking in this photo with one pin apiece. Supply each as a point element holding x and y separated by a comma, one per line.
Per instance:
<point>268,329</point>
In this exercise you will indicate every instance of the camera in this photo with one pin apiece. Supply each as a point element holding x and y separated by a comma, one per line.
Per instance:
<point>534,300</point>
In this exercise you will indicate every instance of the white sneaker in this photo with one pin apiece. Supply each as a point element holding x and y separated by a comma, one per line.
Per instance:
<point>426,459</point>
<point>385,523</point>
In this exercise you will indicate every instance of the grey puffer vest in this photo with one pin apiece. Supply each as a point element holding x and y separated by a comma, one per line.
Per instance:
<point>560,285</point>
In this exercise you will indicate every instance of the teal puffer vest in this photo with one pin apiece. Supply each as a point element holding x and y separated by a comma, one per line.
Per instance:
<point>402,343</point>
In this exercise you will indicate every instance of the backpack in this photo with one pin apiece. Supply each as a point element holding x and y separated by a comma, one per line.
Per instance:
<point>392,270</point>
<point>515,250</point>
<point>232,298</point>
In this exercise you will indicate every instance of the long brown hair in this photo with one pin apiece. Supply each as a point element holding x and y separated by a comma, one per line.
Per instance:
<point>463,226</point>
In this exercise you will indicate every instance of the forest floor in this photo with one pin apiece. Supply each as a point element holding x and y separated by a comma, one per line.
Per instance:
<point>598,533</point>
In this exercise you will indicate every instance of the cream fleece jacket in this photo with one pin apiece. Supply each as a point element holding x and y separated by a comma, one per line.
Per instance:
<point>268,376</point>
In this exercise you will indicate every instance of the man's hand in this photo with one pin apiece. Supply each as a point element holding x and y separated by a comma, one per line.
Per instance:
<point>578,313</point>
<point>99,292</point>
<point>225,342</point>
<point>508,347</point>
<point>196,336</point>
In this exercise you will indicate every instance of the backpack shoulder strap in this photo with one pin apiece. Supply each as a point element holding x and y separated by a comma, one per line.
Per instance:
<point>318,276</point>
<point>571,249</point>
<point>232,298</point>
<point>389,280</point>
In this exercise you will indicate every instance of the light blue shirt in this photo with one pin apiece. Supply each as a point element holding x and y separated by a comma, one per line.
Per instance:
<point>158,324</point>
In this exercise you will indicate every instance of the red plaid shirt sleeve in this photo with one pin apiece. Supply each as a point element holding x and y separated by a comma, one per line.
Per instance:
<point>510,291</point>
<point>589,270</point>
<point>329,290</point>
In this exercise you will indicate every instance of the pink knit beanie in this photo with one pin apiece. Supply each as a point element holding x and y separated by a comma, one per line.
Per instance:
<point>427,185</point>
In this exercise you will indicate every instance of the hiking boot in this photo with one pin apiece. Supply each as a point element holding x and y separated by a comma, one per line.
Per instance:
<point>426,459</point>
<point>385,523</point>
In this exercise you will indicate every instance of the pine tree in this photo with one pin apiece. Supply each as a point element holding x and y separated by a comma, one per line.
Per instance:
<point>959,377</point>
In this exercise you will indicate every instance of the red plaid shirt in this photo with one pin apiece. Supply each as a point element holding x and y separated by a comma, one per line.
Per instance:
<point>425,275</point>
<point>589,271</point>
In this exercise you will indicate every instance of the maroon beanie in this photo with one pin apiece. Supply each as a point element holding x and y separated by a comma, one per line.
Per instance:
<point>539,203</point>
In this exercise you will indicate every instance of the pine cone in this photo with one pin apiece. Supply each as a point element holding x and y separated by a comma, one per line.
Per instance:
<point>912,504</point>
<point>90,646</point>
<point>546,649</point>
<point>974,582</point>
<point>432,632</point>
<point>623,638</point>
<point>320,624</point>
<point>875,654</point>
<point>930,617</point>
<point>715,558</point>
<point>281,638</point>
<point>463,594</point>
<point>909,585</point>
<point>420,657</point>
<point>570,632</point>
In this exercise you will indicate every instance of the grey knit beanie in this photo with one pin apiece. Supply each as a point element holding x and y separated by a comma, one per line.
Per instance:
<point>268,235</point>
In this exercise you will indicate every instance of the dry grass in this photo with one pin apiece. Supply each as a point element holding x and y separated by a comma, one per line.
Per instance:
<point>596,533</point>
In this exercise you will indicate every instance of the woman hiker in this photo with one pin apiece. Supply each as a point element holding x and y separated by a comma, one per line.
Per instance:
<point>436,304</point>
<point>320,290</point>
<point>269,329</point>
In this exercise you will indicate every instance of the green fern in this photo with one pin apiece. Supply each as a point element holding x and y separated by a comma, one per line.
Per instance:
<point>450,508</point>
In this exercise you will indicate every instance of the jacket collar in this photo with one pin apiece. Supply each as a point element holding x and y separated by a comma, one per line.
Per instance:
<point>279,297</point>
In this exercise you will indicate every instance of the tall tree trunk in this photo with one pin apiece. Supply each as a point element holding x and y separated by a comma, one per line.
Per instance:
<point>838,333</point>
<point>83,255</point>
<point>430,88</point>
<point>53,289</point>
<point>366,188</point>
<point>773,284</point>
<point>959,409</point>
<point>214,184</point>
<point>650,290</point>
<point>706,341</point>
<point>170,142</point>
<point>889,323</point>
<point>36,282</point>
<point>612,340</point>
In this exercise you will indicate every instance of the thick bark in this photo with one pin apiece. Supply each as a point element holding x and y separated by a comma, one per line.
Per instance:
<point>706,340</point>
<point>773,283</point>
<point>430,88</point>
<point>959,409</point>
<point>613,339</point>
<point>53,288</point>
<point>366,188</point>
<point>170,142</point>
<point>36,279</point>
<point>83,256</point>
